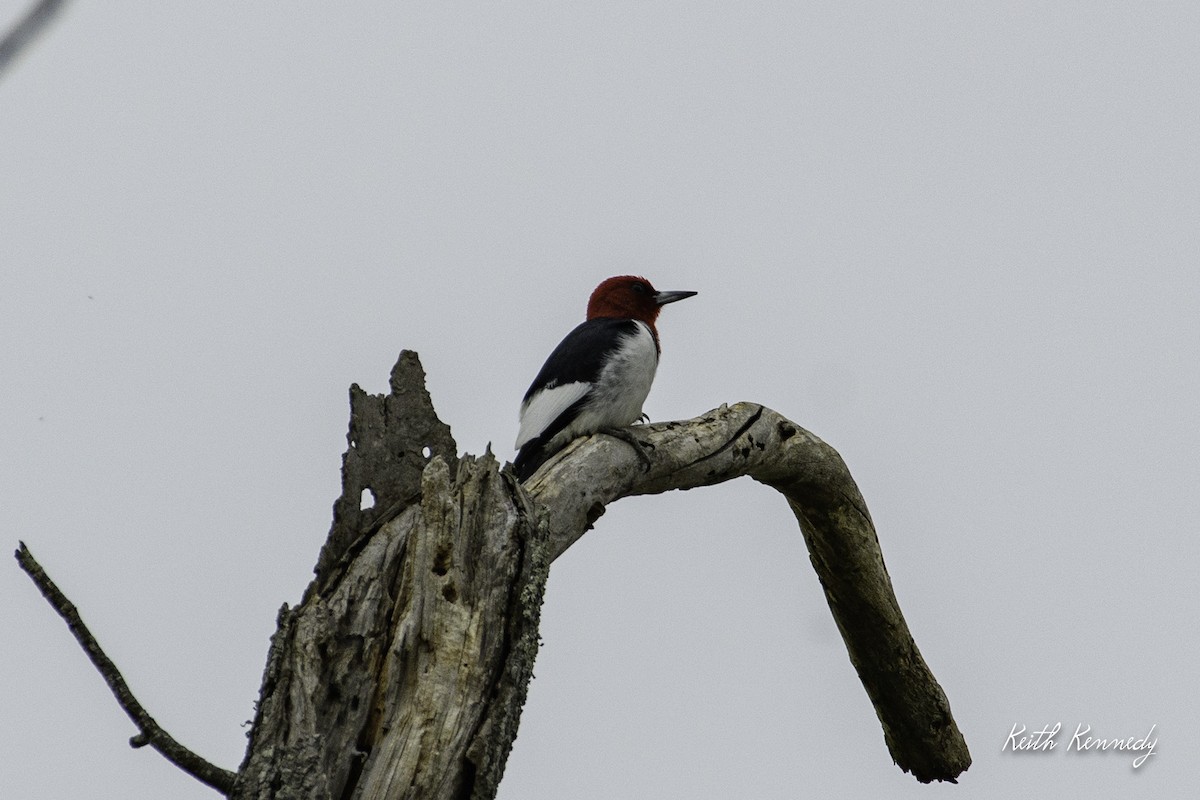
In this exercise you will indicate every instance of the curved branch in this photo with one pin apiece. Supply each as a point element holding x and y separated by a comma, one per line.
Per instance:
<point>150,732</point>
<point>573,488</point>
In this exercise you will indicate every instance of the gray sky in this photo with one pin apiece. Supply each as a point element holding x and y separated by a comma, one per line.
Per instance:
<point>959,243</point>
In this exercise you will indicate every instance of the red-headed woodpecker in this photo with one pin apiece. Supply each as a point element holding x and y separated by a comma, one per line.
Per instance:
<point>598,377</point>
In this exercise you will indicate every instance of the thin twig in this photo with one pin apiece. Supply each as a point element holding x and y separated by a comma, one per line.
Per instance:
<point>151,734</point>
<point>29,26</point>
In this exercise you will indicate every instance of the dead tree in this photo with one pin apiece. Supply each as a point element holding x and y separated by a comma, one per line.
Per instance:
<point>403,671</point>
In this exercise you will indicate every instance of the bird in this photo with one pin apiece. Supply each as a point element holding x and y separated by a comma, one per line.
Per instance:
<point>598,377</point>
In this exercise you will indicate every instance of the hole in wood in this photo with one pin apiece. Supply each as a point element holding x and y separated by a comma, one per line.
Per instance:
<point>441,561</point>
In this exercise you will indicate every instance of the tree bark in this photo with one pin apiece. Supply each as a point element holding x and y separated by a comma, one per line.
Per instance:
<point>404,677</point>
<point>403,671</point>
<point>748,439</point>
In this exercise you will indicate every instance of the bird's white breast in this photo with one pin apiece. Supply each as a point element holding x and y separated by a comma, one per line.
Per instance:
<point>617,396</point>
<point>614,400</point>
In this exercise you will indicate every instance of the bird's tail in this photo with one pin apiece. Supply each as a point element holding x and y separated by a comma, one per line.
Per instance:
<point>531,456</point>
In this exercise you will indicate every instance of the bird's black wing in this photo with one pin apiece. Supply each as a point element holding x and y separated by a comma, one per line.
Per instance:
<point>579,358</point>
<point>581,355</point>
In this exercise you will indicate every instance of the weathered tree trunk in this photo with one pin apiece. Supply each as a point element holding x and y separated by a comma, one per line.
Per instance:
<point>403,671</point>
<point>405,676</point>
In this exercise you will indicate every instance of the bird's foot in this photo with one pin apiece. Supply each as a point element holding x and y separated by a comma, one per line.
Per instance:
<point>626,436</point>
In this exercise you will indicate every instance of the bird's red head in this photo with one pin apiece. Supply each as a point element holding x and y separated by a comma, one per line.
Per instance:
<point>630,297</point>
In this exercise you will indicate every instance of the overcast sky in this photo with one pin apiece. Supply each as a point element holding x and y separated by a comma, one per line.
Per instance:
<point>958,242</point>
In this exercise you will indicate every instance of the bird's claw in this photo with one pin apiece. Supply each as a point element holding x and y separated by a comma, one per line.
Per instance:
<point>638,447</point>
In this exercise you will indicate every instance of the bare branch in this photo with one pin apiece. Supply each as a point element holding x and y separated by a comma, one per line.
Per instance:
<point>26,29</point>
<point>150,732</point>
<point>747,439</point>
<point>403,671</point>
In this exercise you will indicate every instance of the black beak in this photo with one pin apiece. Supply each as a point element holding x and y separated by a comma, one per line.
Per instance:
<point>662,298</point>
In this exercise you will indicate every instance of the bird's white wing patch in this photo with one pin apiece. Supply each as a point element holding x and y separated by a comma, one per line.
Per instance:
<point>545,407</point>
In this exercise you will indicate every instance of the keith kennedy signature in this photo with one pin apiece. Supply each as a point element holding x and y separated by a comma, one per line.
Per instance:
<point>1044,741</point>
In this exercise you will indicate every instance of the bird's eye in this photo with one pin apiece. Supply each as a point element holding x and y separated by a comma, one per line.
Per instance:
<point>640,288</point>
